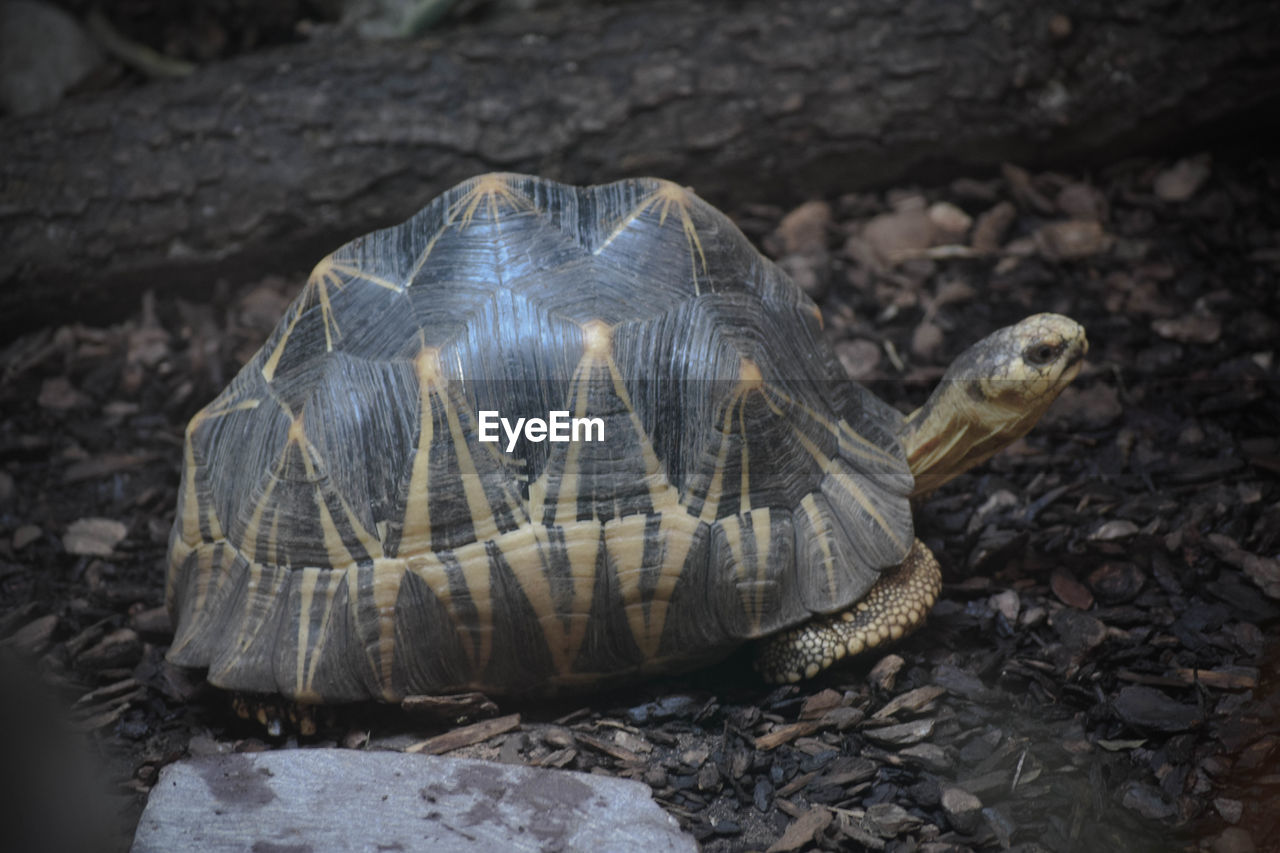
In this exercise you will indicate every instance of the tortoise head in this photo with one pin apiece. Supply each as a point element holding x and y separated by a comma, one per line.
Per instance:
<point>992,394</point>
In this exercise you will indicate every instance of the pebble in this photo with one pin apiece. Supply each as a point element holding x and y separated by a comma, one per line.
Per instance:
<point>952,222</point>
<point>895,236</point>
<point>93,536</point>
<point>804,229</point>
<point>1231,810</point>
<point>1112,530</point>
<point>1008,603</point>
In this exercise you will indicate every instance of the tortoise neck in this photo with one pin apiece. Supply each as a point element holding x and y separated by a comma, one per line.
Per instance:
<point>956,429</point>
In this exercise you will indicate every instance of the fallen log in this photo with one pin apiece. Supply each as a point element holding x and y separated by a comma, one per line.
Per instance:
<point>265,162</point>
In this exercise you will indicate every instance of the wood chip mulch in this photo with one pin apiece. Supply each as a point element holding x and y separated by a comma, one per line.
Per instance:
<point>1100,674</point>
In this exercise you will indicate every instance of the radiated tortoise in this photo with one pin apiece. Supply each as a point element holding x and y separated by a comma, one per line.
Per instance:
<point>343,532</point>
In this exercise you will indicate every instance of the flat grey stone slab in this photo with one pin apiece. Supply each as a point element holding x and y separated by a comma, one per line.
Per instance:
<point>317,800</point>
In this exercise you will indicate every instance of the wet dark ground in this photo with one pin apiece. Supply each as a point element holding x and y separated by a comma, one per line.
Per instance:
<point>1101,672</point>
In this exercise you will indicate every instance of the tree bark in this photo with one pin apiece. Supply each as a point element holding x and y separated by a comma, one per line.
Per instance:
<point>264,163</point>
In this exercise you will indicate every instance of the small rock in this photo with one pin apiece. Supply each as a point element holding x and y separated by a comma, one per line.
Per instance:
<point>963,809</point>
<point>251,801</point>
<point>25,535</point>
<point>1009,603</point>
<point>899,235</point>
<point>1112,530</point>
<point>951,222</point>
<point>804,230</point>
<point>93,536</point>
<point>1181,181</point>
<point>1231,810</point>
<point>1147,708</point>
<point>1071,240</point>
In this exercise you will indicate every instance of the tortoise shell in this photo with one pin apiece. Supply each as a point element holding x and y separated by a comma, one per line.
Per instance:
<point>343,532</point>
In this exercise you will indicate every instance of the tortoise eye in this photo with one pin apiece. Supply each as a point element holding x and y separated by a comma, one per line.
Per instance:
<point>1041,353</point>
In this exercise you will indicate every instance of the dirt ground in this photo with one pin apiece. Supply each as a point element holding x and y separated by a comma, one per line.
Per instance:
<point>1101,672</point>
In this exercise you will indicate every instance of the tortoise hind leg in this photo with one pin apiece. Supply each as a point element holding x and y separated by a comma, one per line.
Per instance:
<point>894,607</point>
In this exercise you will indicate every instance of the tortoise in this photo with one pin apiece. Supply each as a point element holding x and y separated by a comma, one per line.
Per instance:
<point>347,528</point>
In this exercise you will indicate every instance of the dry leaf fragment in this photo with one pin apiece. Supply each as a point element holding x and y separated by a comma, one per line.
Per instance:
<point>992,226</point>
<point>802,830</point>
<point>1264,571</point>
